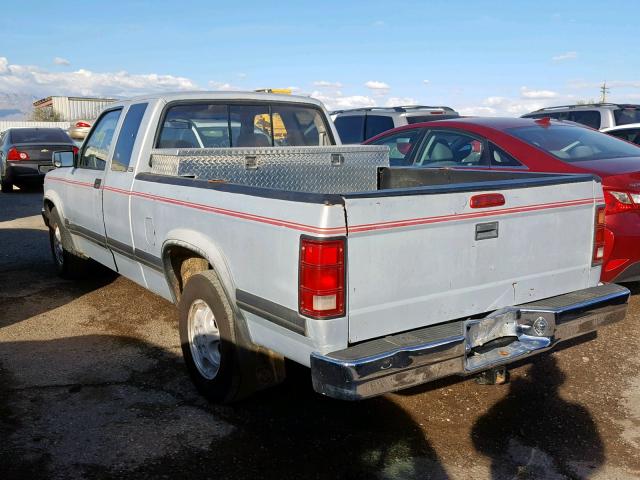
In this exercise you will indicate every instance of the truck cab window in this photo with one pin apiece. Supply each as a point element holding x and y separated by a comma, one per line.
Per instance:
<point>251,126</point>
<point>96,148</point>
<point>127,137</point>
<point>200,125</point>
<point>296,126</point>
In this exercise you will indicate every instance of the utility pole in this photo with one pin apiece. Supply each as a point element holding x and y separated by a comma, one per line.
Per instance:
<point>603,92</point>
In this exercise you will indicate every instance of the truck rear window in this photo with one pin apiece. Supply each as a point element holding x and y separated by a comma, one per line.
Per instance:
<point>575,144</point>
<point>215,125</point>
<point>39,135</point>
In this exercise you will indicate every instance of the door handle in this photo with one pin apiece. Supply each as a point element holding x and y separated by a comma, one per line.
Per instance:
<point>97,183</point>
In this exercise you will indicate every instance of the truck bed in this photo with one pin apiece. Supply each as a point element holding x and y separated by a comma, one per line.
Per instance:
<point>431,264</point>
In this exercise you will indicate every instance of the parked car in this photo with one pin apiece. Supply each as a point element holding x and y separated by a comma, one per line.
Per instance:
<point>359,124</point>
<point>596,115</point>
<point>630,133</point>
<point>542,145</point>
<point>79,129</point>
<point>25,154</point>
<point>321,253</point>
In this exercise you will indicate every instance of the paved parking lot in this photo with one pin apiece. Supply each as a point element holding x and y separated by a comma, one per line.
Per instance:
<point>92,385</point>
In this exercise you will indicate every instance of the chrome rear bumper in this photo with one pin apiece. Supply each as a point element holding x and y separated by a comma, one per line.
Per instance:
<point>465,347</point>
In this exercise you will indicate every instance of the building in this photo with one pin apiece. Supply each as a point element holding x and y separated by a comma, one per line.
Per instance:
<point>71,108</point>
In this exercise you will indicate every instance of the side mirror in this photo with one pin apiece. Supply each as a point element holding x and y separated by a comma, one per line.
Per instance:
<point>64,158</point>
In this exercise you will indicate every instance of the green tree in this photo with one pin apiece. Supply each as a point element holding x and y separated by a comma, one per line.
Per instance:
<point>45,114</point>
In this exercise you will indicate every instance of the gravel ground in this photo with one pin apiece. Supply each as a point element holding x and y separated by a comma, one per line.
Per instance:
<point>92,385</point>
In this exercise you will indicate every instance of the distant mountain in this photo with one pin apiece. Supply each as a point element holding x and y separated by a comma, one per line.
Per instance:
<point>14,106</point>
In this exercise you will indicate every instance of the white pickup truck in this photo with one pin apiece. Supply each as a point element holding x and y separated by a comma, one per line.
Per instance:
<point>276,242</point>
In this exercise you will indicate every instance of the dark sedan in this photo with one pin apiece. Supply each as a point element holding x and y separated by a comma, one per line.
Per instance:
<point>25,154</point>
<point>542,145</point>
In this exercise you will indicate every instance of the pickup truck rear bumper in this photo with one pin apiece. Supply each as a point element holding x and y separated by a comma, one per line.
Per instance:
<point>465,347</point>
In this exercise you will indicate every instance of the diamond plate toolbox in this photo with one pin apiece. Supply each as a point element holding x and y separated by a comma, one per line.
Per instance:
<point>338,169</point>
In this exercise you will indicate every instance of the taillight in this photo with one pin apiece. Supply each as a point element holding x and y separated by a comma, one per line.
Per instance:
<point>598,236</point>
<point>15,154</point>
<point>322,277</point>
<point>617,201</point>
<point>82,125</point>
<point>75,150</point>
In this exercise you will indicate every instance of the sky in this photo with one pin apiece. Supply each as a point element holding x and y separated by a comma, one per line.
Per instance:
<point>480,57</point>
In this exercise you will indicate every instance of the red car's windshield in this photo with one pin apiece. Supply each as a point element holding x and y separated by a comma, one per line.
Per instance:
<point>575,144</point>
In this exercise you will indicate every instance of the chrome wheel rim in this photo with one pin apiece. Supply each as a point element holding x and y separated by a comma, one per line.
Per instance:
<point>58,251</point>
<point>204,339</point>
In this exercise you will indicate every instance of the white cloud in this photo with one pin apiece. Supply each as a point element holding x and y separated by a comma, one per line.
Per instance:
<point>337,101</point>
<point>222,86</point>
<point>28,79</point>
<point>61,61</point>
<point>565,56</point>
<point>426,82</point>
<point>399,101</point>
<point>242,75</point>
<point>378,23</point>
<point>477,111</point>
<point>376,85</point>
<point>537,94</point>
<point>325,84</point>
<point>503,106</point>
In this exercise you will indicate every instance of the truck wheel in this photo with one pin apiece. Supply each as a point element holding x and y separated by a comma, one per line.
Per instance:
<point>6,186</point>
<point>68,265</point>
<point>221,359</point>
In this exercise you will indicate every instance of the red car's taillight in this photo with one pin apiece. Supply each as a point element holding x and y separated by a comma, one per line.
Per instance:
<point>598,236</point>
<point>82,125</point>
<point>16,155</point>
<point>618,201</point>
<point>322,278</point>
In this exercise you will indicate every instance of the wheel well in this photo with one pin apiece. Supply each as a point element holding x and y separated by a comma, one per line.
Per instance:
<point>48,206</point>
<point>181,264</point>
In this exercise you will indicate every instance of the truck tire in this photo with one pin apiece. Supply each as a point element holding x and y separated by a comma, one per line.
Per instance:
<point>223,363</point>
<point>68,265</point>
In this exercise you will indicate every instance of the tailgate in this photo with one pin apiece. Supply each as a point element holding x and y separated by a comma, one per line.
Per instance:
<point>424,256</point>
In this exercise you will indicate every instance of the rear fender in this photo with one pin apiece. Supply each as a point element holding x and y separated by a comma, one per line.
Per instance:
<point>206,248</point>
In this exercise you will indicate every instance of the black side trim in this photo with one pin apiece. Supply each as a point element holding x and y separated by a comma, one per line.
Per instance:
<point>323,198</point>
<point>138,255</point>
<point>149,260</point>
<point>86,233</point>
<point>120,248</point>
<point>271,311</point>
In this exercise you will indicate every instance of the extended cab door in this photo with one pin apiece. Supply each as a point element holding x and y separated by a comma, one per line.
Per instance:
<point>117,194</point>
<point>83,207</point>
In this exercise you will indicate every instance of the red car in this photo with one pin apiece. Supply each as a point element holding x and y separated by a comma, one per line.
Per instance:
<point>537,145</point>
